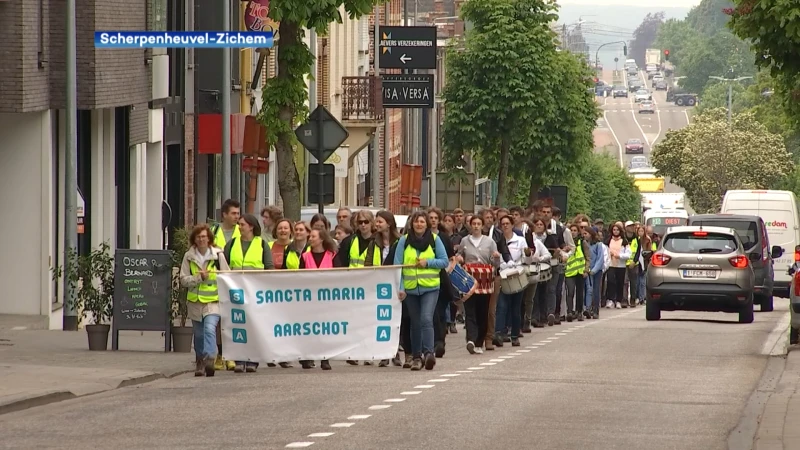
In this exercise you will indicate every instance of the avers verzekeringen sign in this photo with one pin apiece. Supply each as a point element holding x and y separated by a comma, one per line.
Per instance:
<point>407,47</point>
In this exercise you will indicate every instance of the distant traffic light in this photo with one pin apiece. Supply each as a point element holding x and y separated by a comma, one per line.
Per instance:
<point>624,49</point>
<point>666,55</point>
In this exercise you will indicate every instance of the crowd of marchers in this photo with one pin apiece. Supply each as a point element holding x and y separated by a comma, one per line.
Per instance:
<point>457,268</point>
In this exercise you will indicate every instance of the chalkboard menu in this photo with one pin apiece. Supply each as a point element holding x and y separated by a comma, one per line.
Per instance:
<point>142,293</point>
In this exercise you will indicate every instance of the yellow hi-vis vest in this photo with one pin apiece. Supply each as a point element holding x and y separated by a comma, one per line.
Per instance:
<point>219,236</point>
<point>357,260</point>
<point>634,247</point>
<point>206,291</point>
<point>576,263</point>
<point>252,260</point>
<point>426,277</point>
<point>290,256</point>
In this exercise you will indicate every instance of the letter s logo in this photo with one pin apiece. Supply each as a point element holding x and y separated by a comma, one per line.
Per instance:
<point>384,291</point>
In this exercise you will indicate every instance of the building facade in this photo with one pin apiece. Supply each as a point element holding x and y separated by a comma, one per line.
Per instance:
<point>121,156</point>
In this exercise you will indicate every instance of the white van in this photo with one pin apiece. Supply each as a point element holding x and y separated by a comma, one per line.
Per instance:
<point>779,211</point>
<point>662,219</point>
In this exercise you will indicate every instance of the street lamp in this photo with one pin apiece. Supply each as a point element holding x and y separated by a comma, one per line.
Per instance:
<point>597,53</point>
<point>730,81</point>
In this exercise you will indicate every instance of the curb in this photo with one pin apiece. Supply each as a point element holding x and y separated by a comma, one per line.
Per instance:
<point>31,401</point>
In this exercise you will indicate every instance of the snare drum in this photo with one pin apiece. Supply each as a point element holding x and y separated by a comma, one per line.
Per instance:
<point>545,272</point>
<point>483,275</point>
<point>516,280</point>
<point>532,271</point>
<point>462,281</point>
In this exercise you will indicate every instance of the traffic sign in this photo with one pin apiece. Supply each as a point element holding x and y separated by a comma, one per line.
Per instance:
<point>407,47</point>
<point>326,178</point>
<point>321,127</point>
<point>407,91</point>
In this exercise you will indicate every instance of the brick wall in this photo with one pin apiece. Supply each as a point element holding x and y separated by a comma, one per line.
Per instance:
<point>138,121</point>
<point>23,84</point>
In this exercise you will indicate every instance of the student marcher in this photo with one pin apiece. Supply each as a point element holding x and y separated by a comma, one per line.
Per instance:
<point>199,275</point>
<point>248,252</point>
<point>222,234</point>
<point>322,249</point>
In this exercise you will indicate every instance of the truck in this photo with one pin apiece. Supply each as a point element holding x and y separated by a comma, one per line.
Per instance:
<point>652,57</point>
<point>663,200</point>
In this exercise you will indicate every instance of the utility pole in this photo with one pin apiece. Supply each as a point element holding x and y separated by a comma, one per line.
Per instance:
<point>730,80</point>
<point>377,198</point>
<point>226,105</point>
<point>387,163</point>
<point>404,118</point>
<point>312,100</point>
<point>70,318</point>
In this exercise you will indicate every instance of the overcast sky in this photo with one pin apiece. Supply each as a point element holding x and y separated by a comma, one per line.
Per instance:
<point>651,3</point>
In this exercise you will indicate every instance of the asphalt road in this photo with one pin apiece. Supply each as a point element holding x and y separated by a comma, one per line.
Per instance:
<point>616,383</point>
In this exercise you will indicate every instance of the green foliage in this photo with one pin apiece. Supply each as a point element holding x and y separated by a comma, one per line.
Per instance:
<point>284,97</point>
<point>773,28</point>
<point>610,190</point>
<point>179,246</point>
<point>676,36</point>
<point>520,107</point>
<point>708,17</point>
<point>709,157</point>
<point>644,36</point>
<point>715,55</point>
<point>91,278</point>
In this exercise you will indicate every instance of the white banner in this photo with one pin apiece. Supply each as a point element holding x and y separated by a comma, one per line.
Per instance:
<point>290,315</point>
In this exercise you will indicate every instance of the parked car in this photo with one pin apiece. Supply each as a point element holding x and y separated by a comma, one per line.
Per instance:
<point>755,240</point>
<point>634,146</point>
<point>646,107</point>
<point>700,269</point>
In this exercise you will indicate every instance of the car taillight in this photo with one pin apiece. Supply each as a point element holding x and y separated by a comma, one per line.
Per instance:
<point>659,260</point>
<point>700,233</point>
<point>765,253</point>
<point>796,255</point>
<point>797,284</point>
<point>740,262</point>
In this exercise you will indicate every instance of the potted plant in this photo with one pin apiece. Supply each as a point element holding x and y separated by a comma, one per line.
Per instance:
<point>182,335</point>
<point>91,278</point>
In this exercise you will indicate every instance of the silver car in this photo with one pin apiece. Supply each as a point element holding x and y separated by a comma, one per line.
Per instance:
<point>794,304</point>
<point>700,269</point>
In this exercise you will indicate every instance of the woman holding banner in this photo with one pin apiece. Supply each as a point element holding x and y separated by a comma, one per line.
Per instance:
<point>422,255</point>
<point>320,256</point>
<point>248,252</point>
<point>199,275</point>
<point>385,242</point>
<point>280,248</point>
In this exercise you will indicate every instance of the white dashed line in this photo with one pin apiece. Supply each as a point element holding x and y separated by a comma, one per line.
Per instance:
<point>554,338</point>
<point>451,375</point>
<point>359,417</point>
<point>438,380</point>
<point>532,346</point>
<point>464,371</point>
<point>477,368</point>
<point>423,386</point>
<point>394,400</point>
<point>410,392</point>
<point>505,357</point>
<point>524,351</point>
<point>561,334</point>
<point>300,444</point>
<point>321,434</point>
<point>377,407</point>
<point>545,342</point>
<point>515,353</point>
<point>489,364</point>
<point>496,360</point>
<point>343,425</point>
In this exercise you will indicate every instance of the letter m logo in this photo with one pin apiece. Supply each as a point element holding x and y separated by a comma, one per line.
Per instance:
<point>384,312</point>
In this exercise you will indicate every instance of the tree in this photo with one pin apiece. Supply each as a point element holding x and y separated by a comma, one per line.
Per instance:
<point>677,36</point>
<point>708,16</point>
<point>709,157</point>
<point>285,96</point>
<point>609,193</point>
<point>644,36</point>
<point>773,29</point>
<point>715,55</point>
<point>497,84</point>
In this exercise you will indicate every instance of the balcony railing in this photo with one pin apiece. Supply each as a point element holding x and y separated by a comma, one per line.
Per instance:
<point>361,98</point>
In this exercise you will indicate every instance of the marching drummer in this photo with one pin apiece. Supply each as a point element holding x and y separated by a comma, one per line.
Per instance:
<point>509,305</point>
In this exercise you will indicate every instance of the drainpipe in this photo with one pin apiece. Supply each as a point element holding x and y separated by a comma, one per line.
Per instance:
<point>70,319</point>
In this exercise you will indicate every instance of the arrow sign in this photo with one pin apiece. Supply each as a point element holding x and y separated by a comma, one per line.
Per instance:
<point>407,47</point>
<point>404,59</point>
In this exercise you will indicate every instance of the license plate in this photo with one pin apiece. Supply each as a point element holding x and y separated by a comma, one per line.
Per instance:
<point>699,274</point>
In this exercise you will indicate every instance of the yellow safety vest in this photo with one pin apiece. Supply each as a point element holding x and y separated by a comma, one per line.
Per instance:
<point>219,236</point>
<point>206,291</point>
<point>576,264</point>
<point>357,260</point>
<point>634,247</point>
<point>292,258</point>
<point>426,278</point>
<point>254,257</point>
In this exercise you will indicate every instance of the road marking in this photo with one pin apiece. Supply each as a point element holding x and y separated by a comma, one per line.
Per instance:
<point>377,407</point>
<point>477,368</point>
<point>489,364</point>
<point>394,400</point>
<point>438,380</point>
<point>504,357</point>
<point>554,338</point>
<point>359,417</point>
<point>410,392</point>
<point>546,341</point>
<point>775,345</point>
<point>300,444</point>
<point>524,351</point>
<point>464,371</point>
<point>532,346</point>
<point>451,375</point>
<point>424,386</point>
<point>343,425</point>
<point>321,434</point>
<point>614,134</point>
<point>516,353</point>
<point>561,334</point>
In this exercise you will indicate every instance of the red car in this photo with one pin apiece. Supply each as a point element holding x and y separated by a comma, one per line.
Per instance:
<point>634,146</point>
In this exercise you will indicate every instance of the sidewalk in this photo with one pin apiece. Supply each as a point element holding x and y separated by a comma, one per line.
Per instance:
<point>779,424</point>
<point>40,366</point>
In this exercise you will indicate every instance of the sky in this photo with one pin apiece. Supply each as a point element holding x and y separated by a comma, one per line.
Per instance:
<point>644,3</point>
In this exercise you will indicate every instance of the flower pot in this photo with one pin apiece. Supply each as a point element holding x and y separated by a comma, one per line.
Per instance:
<point>182,339</point>
<point>98,336</point>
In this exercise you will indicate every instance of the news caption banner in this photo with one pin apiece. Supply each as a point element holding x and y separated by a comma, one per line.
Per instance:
<point>142,293</point>
<point>183,39</point>
<point>291,315</point>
